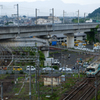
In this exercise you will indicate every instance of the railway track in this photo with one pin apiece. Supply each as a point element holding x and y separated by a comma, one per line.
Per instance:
<point>83,91</point>
<point>86,90</point>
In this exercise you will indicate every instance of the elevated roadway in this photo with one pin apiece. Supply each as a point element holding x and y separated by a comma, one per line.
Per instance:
<point>9,32</point>
<point>25,31</point>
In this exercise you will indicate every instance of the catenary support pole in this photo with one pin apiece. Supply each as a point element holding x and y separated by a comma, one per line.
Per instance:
<point>29,82</point>
<point>1,90</point>
<point>36,15</point>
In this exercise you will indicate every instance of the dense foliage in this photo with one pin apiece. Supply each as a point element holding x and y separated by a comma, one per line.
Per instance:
<point>76,20</point>
<point>41,58</point>
<point>95,13</point>
<point>91,36</point>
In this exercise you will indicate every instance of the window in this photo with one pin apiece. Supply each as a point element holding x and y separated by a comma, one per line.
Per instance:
<point>56,79</point>
<point>91,69</point>
<point>74,36</point>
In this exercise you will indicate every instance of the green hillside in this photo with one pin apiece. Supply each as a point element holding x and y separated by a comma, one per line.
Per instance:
<point>95,14</point>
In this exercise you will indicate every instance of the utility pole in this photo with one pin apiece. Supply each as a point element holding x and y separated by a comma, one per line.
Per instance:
<point>30,82</point>
<point>36,15</point>
<point>84,17</point>
<point>18,14</point>
<point>15,74</point>
<point>63,16</point>
<point>97,17</point>
<point>61,58</point>
<point>1,6</point>
<point>37,72</point>
<point>53,16</point>
<point>96,88</point>
<point>18,18</point>
<point>36,69</point>
<point>51,78</point>
<point>1,90</point>
<point>78,16</point>
<point>78,68</point>
<point>38,76</point>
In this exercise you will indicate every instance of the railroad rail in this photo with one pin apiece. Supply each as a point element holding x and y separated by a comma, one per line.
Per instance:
<point>85,87</point>
<point>85,91</point>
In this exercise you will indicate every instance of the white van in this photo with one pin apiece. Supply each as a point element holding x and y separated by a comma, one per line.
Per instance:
<point>32,68</point>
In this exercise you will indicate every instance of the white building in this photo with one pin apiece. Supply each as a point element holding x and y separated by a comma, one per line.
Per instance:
<point>89,21</point>
<point>63,38</point>
<point>52,79</point>
<point>48,20</point>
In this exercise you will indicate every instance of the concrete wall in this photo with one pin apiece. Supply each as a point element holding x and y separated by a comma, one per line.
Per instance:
<point>24,42</point>
<point>79,38</point>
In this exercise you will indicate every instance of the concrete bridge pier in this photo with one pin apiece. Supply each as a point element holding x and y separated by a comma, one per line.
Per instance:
<point>70,40</point>
<point>46,54</point>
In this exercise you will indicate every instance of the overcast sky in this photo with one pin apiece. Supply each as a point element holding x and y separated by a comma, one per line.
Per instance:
<point>83,2</point>
<point>27,7</point>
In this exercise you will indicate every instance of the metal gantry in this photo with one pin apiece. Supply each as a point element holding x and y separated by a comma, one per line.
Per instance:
<point>18,53</point>
<point>22,54</point>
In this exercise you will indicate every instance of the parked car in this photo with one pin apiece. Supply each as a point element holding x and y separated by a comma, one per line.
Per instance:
<point>56,63</point>
<point>3,68</point>
<point>60,69</point>
<point>65,69</point>
<point>43,68</point>
<point>68,69</point>
<point>85,64</point>
<point>17,68</point>
<point>32,68</point>
<point>48,69</point>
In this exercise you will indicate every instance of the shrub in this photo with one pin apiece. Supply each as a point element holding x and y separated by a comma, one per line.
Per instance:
<point>21,72</point>
<point>12,82</point>
<point>7,72</point>
<point>12,72</point>
<point>55,67</point>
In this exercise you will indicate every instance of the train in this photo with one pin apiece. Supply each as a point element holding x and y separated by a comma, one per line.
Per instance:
<point>93,69</point>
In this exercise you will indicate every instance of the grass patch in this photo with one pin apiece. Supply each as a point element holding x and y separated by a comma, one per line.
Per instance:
<point>3,76</point>
<point>20,78</point>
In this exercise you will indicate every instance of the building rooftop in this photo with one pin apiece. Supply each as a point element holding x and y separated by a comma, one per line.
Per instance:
<point>52,75</point>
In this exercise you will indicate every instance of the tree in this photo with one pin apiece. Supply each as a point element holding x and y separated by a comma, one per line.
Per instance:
<point>41,58</point>
<point>91,35</point>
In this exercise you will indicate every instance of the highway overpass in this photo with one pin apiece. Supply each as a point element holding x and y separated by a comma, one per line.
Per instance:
<point>9,32</point>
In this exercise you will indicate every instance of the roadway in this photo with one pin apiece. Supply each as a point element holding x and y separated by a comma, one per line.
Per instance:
<point>8,32</point>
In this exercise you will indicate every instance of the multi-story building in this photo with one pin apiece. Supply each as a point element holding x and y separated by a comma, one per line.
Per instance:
<point>63,38</point>
<point>47,20</point>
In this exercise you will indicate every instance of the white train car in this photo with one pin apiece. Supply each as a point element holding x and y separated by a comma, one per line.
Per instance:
<point>92,69</point>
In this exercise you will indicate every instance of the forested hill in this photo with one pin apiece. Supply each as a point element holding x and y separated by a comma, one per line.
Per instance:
<point>95,13</point>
